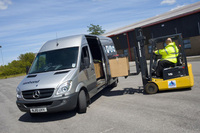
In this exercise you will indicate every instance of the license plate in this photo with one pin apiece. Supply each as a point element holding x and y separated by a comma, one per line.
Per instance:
<point>38,110</point>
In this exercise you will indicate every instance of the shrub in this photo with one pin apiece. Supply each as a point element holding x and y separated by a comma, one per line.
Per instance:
<point>17,66</point>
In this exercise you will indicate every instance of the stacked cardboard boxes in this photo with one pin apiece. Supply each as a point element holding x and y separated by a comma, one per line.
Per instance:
<point>98,70</point>
<point>119,67</point>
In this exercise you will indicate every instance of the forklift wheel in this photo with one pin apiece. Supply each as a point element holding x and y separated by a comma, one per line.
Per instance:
<point>150,88</point>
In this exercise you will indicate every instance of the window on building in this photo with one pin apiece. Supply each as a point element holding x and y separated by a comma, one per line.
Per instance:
<point>187,43</point>
<point>149,49</point>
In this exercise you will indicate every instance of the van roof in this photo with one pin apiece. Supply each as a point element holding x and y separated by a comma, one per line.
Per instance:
<point>64,42</point>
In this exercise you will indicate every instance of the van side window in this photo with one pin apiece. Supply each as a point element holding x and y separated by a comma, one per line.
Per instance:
<point>85,58</point>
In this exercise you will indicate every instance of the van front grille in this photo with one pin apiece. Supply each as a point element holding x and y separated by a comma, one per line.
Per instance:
<point>29,105</point>
<point>38,94</point>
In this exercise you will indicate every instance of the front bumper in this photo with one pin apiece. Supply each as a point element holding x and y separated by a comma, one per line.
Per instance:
<point>52,104</point>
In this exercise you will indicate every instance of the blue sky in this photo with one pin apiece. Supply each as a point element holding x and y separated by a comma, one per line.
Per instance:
<point>25,25</point>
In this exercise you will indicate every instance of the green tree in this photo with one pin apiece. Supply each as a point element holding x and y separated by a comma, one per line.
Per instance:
<point>27,57</point>
<point>95,29</point>
<point>17,66</point>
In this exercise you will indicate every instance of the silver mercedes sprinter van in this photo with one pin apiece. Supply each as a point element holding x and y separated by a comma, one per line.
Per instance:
<point>66,73</point>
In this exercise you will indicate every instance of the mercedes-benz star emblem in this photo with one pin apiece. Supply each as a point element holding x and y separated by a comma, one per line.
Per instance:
<point>36,94</point>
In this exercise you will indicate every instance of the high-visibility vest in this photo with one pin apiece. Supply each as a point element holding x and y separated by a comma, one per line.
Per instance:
<point>170,52</point>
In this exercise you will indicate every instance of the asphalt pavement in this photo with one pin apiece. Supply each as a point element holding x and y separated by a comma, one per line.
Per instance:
<point>123,109</point>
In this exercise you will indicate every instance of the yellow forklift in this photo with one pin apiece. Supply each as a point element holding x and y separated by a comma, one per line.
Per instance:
<point>177,77</point>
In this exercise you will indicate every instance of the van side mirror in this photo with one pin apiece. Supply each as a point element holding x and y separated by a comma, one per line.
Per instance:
<point>27,69</point>
<point>86,62</point>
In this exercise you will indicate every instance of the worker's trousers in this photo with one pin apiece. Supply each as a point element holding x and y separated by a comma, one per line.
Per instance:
<point>161,65</point>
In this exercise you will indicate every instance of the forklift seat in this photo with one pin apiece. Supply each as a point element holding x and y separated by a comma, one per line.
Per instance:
<point>173,72</point>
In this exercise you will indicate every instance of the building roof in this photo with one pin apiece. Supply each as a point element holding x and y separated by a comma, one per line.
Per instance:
<point>173,14</point>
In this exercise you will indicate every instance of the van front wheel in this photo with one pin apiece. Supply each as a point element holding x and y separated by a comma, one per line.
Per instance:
<point>82,102</point>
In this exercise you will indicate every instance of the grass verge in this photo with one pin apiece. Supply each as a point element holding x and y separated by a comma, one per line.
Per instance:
<point>11,76</point>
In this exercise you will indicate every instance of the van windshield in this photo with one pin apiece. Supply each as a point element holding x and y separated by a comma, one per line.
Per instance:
<point>55,60</point>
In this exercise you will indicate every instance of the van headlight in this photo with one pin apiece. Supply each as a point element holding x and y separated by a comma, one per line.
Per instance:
<point>19,93</point>
<point>63,88</point>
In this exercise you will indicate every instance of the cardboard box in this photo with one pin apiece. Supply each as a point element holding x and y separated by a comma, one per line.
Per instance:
<point>119,67</point>
<point>98,70</point>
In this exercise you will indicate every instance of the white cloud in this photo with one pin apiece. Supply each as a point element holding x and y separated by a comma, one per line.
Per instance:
<point>179,6</point>
<point>4,4</point>
<point>36,23</point>
<point>168,2</point>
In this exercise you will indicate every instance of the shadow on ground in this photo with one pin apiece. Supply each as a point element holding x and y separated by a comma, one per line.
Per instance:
<point>46,117</point>
<point>109,92</point>
<point>125,91</point>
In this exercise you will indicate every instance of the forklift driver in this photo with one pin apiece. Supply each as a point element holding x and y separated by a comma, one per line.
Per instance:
<point>169,57</point>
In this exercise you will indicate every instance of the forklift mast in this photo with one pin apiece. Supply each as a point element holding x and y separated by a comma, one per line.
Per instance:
<point>140,59</point>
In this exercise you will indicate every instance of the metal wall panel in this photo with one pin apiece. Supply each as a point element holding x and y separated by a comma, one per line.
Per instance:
<point>187,25</point>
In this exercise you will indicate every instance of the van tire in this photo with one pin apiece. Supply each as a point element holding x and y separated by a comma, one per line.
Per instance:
<point>114,84</point>
<point>82,102</point>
